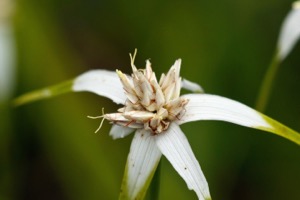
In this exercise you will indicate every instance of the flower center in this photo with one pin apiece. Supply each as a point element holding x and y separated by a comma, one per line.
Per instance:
<point>150,104</point>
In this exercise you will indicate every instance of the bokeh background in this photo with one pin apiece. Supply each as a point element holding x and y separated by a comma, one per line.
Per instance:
<point>48,149</point>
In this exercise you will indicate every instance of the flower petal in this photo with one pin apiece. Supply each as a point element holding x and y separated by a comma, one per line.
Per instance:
<point>101,82</point>
<point>174,145</point>
<point>290,31</point>
<point>118,131</point>
<point>213,107</point>
<point>141,164</point>
<point>191,86</point>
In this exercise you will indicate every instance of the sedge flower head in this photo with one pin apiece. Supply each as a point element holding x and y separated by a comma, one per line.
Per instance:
<point>154,110</point>
<point>150,104</point>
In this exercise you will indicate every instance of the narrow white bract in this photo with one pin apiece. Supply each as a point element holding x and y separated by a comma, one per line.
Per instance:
<point>142,160</point>
<point>101,82</point>
<point>176,148</point>
<point>213,107</point>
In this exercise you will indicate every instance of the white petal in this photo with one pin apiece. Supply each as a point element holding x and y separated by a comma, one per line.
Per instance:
<point>102,82</point>
<point>141,164</point>
<point>191,86</point>
<point>117,131</point>
<point>174,145</point>
<point>290,32</point>
<point>213,107</point>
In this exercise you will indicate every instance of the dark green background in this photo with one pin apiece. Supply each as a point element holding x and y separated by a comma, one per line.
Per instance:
<point>49,149</point>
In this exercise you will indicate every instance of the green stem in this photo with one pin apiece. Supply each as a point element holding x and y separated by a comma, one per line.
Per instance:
<point>267,84</point>
<point>155,185</point>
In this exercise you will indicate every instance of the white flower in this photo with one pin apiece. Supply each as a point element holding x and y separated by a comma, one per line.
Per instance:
<point>290,31</point>
<point>154,110</point>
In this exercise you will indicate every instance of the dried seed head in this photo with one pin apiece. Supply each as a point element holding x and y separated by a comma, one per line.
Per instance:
<point>150,105</point>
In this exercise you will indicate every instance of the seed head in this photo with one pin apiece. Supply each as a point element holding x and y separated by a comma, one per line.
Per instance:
<point>150,104</point>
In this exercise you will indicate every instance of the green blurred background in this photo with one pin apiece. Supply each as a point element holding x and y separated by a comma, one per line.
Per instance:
<point>48,149</point>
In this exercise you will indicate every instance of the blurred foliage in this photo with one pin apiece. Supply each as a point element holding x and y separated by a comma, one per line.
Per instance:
<point>49,149</point>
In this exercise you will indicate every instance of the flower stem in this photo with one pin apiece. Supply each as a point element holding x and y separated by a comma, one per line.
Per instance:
<point>267,84</point>
<point>155,185</point>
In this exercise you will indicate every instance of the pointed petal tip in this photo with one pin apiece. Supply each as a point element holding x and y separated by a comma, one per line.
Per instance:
<point>281,130</point>
<point>31,97</point>
<point>44,93</point>
<point>175,147</point>
<point>177,64</point>
<point>119,72</point>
